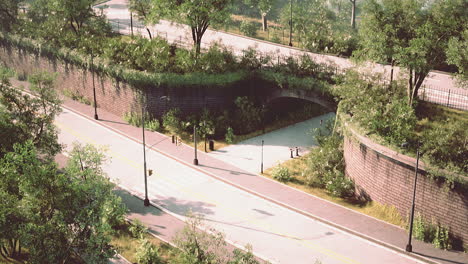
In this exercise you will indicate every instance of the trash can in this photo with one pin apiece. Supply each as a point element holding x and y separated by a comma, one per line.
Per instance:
<point>211,145</point>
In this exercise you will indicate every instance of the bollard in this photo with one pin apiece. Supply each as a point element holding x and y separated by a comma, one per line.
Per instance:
<point>321,121</point>
<point>173,139</point>
<point>291,153</point>
<point>297,152</point>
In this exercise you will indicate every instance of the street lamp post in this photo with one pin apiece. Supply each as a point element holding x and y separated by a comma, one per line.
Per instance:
<point>409,247</point>
<point>94,88</point>
<point>290,23</point>
<point>131,22</point>
<point>195,160</point>
<point>146,202</point>
<point>261,166</point>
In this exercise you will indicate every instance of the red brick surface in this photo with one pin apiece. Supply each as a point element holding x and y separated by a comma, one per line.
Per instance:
<point>388,177</point>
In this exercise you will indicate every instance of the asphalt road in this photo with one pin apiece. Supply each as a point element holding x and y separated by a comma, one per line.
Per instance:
<point>276,234</point>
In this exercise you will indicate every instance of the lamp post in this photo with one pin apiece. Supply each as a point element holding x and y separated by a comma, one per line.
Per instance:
<point>131,22</point>
<point>261,166</point>
<point>146,202</point>
<point>195,160</point>
<point>94,88</point>
<point>409,247</point>
<point>290,23</point>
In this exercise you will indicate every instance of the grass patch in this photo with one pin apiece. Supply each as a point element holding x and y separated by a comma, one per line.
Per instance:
<point>296,168</point>
<point>126,245</point>
<point>430,115</point>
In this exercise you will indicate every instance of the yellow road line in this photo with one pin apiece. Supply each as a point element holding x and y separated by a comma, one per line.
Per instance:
<point>233,212</point>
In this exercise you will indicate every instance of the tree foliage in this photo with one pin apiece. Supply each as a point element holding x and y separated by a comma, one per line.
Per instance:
<point>411,33</point>
<point>24,117</point>
<point>146,11</point>
<point>199,15</point>
<point>8,14</point>
<point>58,215</point>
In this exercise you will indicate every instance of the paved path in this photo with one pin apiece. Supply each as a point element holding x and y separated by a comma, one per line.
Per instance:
<point>247,154</point>
<point>280,197</point>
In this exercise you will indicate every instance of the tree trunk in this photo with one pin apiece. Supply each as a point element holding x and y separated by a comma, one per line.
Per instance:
<point>391,72</point>
<point>149,34</point>
<point>264,22</point>
<point>353,13</point>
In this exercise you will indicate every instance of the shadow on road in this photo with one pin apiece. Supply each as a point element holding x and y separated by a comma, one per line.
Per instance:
<point>230,171</point>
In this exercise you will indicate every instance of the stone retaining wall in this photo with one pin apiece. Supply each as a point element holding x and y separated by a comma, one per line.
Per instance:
<point>115,97</point>
<point>387,177</point>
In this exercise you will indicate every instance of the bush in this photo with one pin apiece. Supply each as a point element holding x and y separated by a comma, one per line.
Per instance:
<point>281,174</point>
<point>433,232</point>
<point>445,146</point>
<point>137,229</point>
<point>376,107</point>
<point>337,184</point>
<point>152,125</point>
<point>229,135</point>
<point>132,118</point>
<point>147,253</point>
<point>248,28</point>
<point>172,122</point>
<point>217,59</point>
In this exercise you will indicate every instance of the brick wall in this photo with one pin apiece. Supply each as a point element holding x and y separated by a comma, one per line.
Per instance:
<point>386,176</point>
<point>113,96</point>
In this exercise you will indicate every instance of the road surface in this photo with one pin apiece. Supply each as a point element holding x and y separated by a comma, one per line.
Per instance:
<point>276,233</point>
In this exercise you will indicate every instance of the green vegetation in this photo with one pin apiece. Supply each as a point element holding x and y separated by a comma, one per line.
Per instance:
<point>74,95</point>
<point>248,28</point>
<point>299,169</point>
<point>45,209</point>
<point>382,113</point>
<point>432,232</point>
<point>281,173</point>
<point>195,244</point>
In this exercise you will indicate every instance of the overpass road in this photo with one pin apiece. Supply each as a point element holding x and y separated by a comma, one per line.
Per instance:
<point>118,14</point>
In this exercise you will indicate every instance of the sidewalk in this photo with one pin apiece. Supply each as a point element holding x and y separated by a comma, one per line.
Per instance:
<point>369,228</point>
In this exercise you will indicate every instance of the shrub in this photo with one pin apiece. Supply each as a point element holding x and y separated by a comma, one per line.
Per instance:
<point>147,253</point>
<point>248,28</point>
<point>431,232</point>
<point>137,229</point>
<point>152,125</point>
<point>172,122</point>
<point>132,118</point>
<point>337,184</point>
<point>281,174</point>
<point>445,145</point>
<point>217,59</point>
<point>229,135</point>
<point>243,257</point>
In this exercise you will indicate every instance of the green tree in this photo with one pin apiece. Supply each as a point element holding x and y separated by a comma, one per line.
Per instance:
<point>8,14</point>
<point>199,15</point>
<point>264,6</point>
<point>457,54</point>
<point>146,11</point>
<point>312,23</point>
<point>206,125</point>
<point>62,214</point>
<point>196,246</point>
<point>24,117</point>
<point>411,33</point>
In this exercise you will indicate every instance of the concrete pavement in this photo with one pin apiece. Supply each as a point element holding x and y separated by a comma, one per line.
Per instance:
<point>247,154</point>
